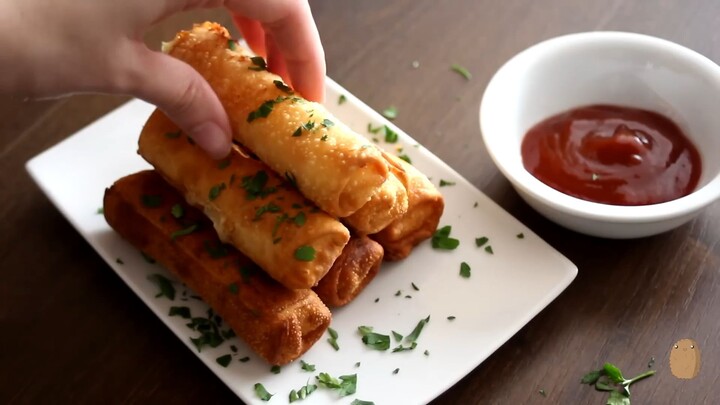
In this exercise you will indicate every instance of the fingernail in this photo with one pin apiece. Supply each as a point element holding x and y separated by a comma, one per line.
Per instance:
<point>212,139</point>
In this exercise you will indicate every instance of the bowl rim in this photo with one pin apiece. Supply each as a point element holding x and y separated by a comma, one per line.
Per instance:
<point>559,201</point>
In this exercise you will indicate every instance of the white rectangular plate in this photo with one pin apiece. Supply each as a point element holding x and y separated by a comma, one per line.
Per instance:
<point>507,288</point>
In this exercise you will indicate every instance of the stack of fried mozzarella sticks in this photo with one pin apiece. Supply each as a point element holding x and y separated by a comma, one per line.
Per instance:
<point>299,217</point>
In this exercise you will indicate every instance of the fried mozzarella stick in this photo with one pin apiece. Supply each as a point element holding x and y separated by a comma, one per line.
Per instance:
<point>278,323</point>
<point>352,272</point>
<point>252,208</point>
<point>332,165</point>
<point>425,207</point>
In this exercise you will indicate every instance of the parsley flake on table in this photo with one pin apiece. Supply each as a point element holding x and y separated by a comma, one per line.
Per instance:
<point>464,270</point>
<point>164,284</point>
<point>445,183</point>
<point>151,200</point>
<point>390,112</point>
<point>610,379</point>
<point>224,360</point>
<point>542,392</point>
<point>262,393</point>
<point>183,312</point>
<point>390,135</point>
<point>184,232</point>
<point>305,253</point>
<point>405,158</point>
<point>441,239</point>
<point>307,366</point>
<point>462,71</point>
<point>333,339</point>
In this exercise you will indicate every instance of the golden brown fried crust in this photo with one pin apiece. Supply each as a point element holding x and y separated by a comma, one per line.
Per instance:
<point>388,204</point>
<point>278,323</point>
<point>269,227</point>
<point>356,267</point>
<point>336,168</point>
<point>425,207</point>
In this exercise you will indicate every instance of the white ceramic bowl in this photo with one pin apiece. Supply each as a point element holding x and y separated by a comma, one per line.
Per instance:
<point>605,68</point>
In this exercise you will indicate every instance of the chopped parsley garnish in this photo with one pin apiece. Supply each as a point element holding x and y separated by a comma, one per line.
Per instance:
<point>464,270</point>
<point>333,338</point>
<point>177,211</point>
<point>416,332</point>
<point>275,369</point>
<point>305,253</point>
<point>374,130</point>
<point>610,379</point>
<point>209,328</point>
<point>324,138</point>
<point>414,287</point>
<point>233,348</point>
<point>398,293</point>
<point>390,112</point>
<point>119,261</point>
<point>224,163</point>
<point>451,318</point>
<point>255,186</point>
<point>307,366</point>
<point>481,241</point>
<point>489,249</point>
<point>183,232</point>
<point>327,123</point>
<point>244,359</point>
<point>398,337</point>
<point>172,135</point>
<point>215,191</point>
<point>259,63</point>
<point>444,183</point>
<point>269,207</point>
<point>475,205</point>
<point>309,126</point>
<point>300,219</point>
<point>164,284</point>
<point>426,352</point>
<point>151,200</point>
<point>298,131</point>
<point>405,158</point>
<point>224,360</point>
<point>542,392</point>
<point>262,393</point>
<point>233,288</point>
<point>520,235</point>
<point>231,44</point>
<point>390,135</point>
<point>408,296</point>
<point>183,312</point>
<point>374,340</point>
<point>401,348</point>
<point>347,384</point>
<point>377,299</point>
<point>302,393</point>
<point>282,86</point>
<point>441,239</point>
<point>397,370</point>
<point>265,109</point>
<point>341,99</point>
<point>100,211</point>
<point>461,71</point>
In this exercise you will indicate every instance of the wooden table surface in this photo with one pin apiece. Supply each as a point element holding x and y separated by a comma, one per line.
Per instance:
<point>72,332</point>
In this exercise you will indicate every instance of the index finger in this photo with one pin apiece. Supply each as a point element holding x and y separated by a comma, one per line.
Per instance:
<point>291,25</point>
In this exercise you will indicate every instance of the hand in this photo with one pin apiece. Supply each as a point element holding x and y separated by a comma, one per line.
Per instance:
<point>54,48</point>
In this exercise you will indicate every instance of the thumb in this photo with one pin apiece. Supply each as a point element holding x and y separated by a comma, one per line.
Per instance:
<point>185,97</point>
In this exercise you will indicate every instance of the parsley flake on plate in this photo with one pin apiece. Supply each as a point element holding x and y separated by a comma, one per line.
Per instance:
<point>479,242</point>
<point>333,339</point>
<point>445,183</point>
<point>441,239</point>
<point>390,135</point>
<point>464,270</point>
<point>164,284</point>
<point>341,99</point>
<point>183,312</point>
<point>405,158</point>
<point>275,369</point>
<point>119,261</point>
<point>307,366</point>
<point>262,393</point>
<point>224,360</point>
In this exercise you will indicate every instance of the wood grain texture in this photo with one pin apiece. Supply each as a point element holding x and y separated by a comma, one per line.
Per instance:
<point>631,300</point>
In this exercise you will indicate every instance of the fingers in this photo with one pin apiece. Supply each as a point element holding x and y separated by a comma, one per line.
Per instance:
<point>253,33</point>
<point>186,98</point>
<point>292,28</point>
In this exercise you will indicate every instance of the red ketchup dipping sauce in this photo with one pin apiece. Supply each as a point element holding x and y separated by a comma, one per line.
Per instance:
<point>612,155</point>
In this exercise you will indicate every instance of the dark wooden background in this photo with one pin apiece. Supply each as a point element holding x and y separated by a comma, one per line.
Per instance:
<point>71,332</point>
